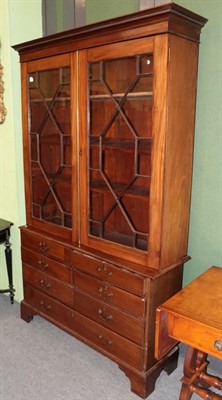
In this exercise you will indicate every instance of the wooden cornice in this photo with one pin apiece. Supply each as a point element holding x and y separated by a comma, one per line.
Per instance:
<point>167,18</point>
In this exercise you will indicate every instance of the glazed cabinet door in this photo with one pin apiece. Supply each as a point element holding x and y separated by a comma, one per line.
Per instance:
<point>115,147</point>
<point>48,144</point>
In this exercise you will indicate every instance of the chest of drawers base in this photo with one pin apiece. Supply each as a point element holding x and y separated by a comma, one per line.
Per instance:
<point>108,306</point>
<point>142,381</point>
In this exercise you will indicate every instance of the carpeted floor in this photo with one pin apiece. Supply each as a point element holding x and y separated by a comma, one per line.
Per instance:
<point>38,361</point>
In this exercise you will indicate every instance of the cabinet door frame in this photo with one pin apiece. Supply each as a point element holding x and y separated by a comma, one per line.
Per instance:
<point>36,66</point>
<point>110,51</point>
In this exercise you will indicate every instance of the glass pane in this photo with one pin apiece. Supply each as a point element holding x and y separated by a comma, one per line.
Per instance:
<point>119,74</point>
<point>49,151</point>
<point>40,186</point>
<point>98,107</point>
<point>50,145</point>
<point>135,111</point>
<point>60,188</point>
<point>120,138</point>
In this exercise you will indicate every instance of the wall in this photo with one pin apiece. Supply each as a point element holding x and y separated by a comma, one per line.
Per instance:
<point>19,22</point>
<point>97,10</point>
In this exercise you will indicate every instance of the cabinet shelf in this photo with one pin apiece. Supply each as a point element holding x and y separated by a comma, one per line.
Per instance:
<point>144,145</point>
<point>130,96</point>
<point>54,138</point>
<point>57,219</point>
<point>118,188</point>
<point>50,99</point>
<point>126,240</point>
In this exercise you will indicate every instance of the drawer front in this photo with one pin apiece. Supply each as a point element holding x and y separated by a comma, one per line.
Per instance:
<point>200,336</point>
<point>108,272</point>
<point>47,247</point>
<point>96,334</point>
<point>47,284</point>
<point>110,317</point>
<point>112,295</point>
<point>109,341</point>
<point>43,263</point>
<point>49,306</point>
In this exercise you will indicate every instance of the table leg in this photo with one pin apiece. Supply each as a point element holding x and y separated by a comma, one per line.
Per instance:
<point>205,393</point>
<point>195,374</point>
<point>8,257</point>
<point>188,370</point>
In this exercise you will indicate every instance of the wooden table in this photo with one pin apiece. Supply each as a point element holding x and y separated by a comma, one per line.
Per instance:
<point>194,316</point>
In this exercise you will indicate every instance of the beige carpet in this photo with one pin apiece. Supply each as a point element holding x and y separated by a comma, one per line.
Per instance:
<point>38,361</point>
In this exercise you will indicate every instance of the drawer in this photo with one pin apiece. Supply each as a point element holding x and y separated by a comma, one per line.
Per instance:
<point>47,284</point>
<point>111,294</point>
<point>195,334</point>
<point>108,272</point>
<point>110,317</point>
<point>43,263</point>
<point>50,307</point>
<point>46,246</point>
<point>109,341</point>
<point>112,343</point>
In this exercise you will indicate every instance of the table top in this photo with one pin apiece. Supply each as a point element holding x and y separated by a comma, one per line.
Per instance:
<point>193,315</point>
<point>5,224</point>
<point>201,300</point>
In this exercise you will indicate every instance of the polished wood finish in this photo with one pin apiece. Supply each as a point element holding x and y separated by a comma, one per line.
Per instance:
<point>45,246</point>
<point>110,317</point>
<point>179,142</point>
<point>49,285</point>
<point>5,233</point>
<point>196,379</point>
<point>166,18</point>
<point>134,304</point>
<point>108,127</point>
<point>103,270</point>
<point>41,262</point>
<point>194,316</point>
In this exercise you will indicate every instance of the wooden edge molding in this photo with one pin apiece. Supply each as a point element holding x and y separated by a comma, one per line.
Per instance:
<point>149,16</point>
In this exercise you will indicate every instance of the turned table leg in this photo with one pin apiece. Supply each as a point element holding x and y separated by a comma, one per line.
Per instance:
<point>188,370</point>
<point>195,374</point>
<point>8,258</point>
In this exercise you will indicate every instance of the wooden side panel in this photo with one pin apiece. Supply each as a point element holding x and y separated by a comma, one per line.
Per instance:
<point>179,148</point>
<point>161,289</point>
<point>158,149</point>
<point>26,157</point>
